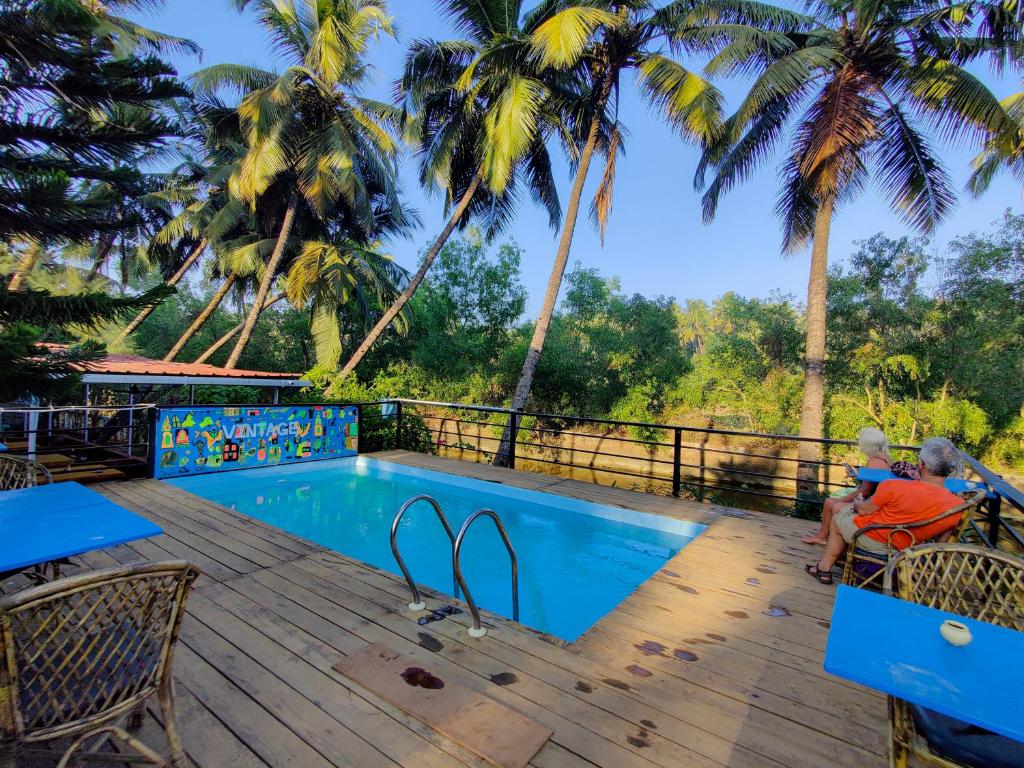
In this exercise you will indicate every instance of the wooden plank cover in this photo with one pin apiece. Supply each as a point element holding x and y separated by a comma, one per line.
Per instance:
<point>491,730</point>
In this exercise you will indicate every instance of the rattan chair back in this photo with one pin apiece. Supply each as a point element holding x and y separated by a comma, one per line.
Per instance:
<point>900,537</point>
<point>964,579</point>
<point>81,651</point>
<point>16,472</point>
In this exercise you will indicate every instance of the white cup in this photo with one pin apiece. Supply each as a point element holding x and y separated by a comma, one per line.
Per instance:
<point>955,633</point>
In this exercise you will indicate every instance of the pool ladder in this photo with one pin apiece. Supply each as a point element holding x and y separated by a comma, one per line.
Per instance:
<point>417,603</point>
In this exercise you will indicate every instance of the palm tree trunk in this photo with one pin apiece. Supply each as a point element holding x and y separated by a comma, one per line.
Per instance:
<point>410,289</point>
<point>540,331</point>
<point>25,265</point>
<point>813,405</point>
<point>172,280</point>
<point>212,349</point>
<point>268,279</point>
<point>200,321</point>
<point>103,248</point>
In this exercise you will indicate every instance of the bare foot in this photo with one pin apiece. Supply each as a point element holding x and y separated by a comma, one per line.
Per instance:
<point>814,539</point>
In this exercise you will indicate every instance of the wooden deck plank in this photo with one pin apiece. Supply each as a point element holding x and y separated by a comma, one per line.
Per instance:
<point>273,612</point>
<point>349,613</point>
<point>543,683</point>
<point>680,708</point>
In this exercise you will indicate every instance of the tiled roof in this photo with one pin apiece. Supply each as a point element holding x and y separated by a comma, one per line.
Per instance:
<point>143,366</point>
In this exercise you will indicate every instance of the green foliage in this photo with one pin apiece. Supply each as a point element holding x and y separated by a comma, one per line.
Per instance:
<point>30,317</point>
<point>86,100</point>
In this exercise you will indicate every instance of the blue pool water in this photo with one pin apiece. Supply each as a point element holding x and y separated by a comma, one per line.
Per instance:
<point>577,560</point>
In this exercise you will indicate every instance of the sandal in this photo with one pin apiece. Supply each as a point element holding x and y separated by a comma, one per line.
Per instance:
<point>823,577</point>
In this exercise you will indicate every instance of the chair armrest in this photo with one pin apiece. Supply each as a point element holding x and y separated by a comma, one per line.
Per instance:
<point>956,511</point>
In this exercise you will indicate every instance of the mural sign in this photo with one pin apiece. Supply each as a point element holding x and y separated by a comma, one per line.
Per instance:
<point>196,440</point>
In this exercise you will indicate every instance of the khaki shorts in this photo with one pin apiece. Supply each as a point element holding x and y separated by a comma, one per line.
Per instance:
<point>844,521</point>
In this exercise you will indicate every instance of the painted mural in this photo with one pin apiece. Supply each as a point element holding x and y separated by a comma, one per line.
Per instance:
<point>196,440</point>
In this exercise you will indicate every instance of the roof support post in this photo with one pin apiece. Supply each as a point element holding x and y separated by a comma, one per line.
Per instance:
<point>277,395</point>
<point>191,394</point>
<point>85,432</point>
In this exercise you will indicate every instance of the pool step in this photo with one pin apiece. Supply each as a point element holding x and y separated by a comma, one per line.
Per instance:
<point>500,735</point>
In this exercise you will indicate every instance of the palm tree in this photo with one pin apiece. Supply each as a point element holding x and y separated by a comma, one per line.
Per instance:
<point>312,140</point>
<point>694,320</point>
<point>629,37</point>
<point>1002,151</point>
<point>480,109</point>
<point>200,212</point>
<point>854,84</point>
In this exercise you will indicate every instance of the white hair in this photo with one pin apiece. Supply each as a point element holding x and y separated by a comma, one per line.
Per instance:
<point>941,457</point>
<point>872,442</point>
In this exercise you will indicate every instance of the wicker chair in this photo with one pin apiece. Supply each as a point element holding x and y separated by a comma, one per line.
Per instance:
<point>864,568</point>
<point>16,472</point>
<point>80,653</point>
<point>971,581</point>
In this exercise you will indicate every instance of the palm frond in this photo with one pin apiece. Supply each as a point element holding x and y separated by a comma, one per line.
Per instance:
<point>561,40</point>
<point>511,126</point>
<point>910,175</point>
<point>689,102</point>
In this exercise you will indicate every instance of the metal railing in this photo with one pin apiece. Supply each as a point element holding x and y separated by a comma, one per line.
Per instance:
<point>729,466</point>
<point>477,630</point>
<point>417,603</point>
<point>69,437</point>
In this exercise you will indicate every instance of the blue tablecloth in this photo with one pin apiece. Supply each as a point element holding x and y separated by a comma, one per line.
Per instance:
<point>953,484</point>
<point>895,647</point>
<point>48,522</point>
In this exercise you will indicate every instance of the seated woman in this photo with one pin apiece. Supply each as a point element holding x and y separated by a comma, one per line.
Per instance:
<point>896,502</point>
<point>875,447</point>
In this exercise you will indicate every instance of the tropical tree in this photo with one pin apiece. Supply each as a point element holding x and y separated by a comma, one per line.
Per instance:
<point>313,142</point>
<point>629,35</point>
<point>694,320</point>
<point>84,99</point>
<point>854,85</point>
<point>479,110</point>
<point>1003,151</point>
<point>199,210</point>
<point>29,317</point>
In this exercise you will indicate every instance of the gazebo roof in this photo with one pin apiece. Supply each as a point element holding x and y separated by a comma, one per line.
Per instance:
<point>132,369</point>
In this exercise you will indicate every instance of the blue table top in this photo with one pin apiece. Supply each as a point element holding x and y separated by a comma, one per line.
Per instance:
<point>49,522</point>
<point>953,484</point>
<point>895,647</point>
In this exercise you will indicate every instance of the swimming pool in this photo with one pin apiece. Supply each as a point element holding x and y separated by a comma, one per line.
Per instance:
<point>577,560</point>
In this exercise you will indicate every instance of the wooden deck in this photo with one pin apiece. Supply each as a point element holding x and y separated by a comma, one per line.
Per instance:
<point>715,661</point>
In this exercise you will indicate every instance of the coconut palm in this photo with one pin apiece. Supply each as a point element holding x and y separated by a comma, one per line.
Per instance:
<point>998,36</point>
<point>480,109</point>
<point>854,85</point>
<point>694,321</point>
<point>312,140</point>
<point>630,38</point>
<point>199,209</point>
<point>1003,151</point>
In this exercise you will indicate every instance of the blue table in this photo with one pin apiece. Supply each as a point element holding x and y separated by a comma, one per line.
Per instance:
<point>895,647</point>
<point>49,522</point>
<point>953,484</point>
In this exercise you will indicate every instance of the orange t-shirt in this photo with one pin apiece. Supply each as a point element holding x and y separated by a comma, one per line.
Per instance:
<point>910,501</point>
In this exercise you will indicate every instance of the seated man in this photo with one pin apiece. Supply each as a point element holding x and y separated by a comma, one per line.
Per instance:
<point>897,502</point>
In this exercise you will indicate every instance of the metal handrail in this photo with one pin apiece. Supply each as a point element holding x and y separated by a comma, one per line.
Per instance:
<point>417,603</point>
<point>476,630</point>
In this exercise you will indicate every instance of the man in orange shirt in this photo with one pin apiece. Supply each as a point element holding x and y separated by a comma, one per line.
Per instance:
<point>897,502</point>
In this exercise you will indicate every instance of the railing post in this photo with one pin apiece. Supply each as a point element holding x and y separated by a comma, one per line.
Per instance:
<point>513,421</point>
<point>994,510</point>
<point>359,428</point>
<point>398,425</point>
<point>677,455</point>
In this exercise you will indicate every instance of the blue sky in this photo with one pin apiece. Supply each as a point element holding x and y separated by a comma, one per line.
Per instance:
<point>656,242</point>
